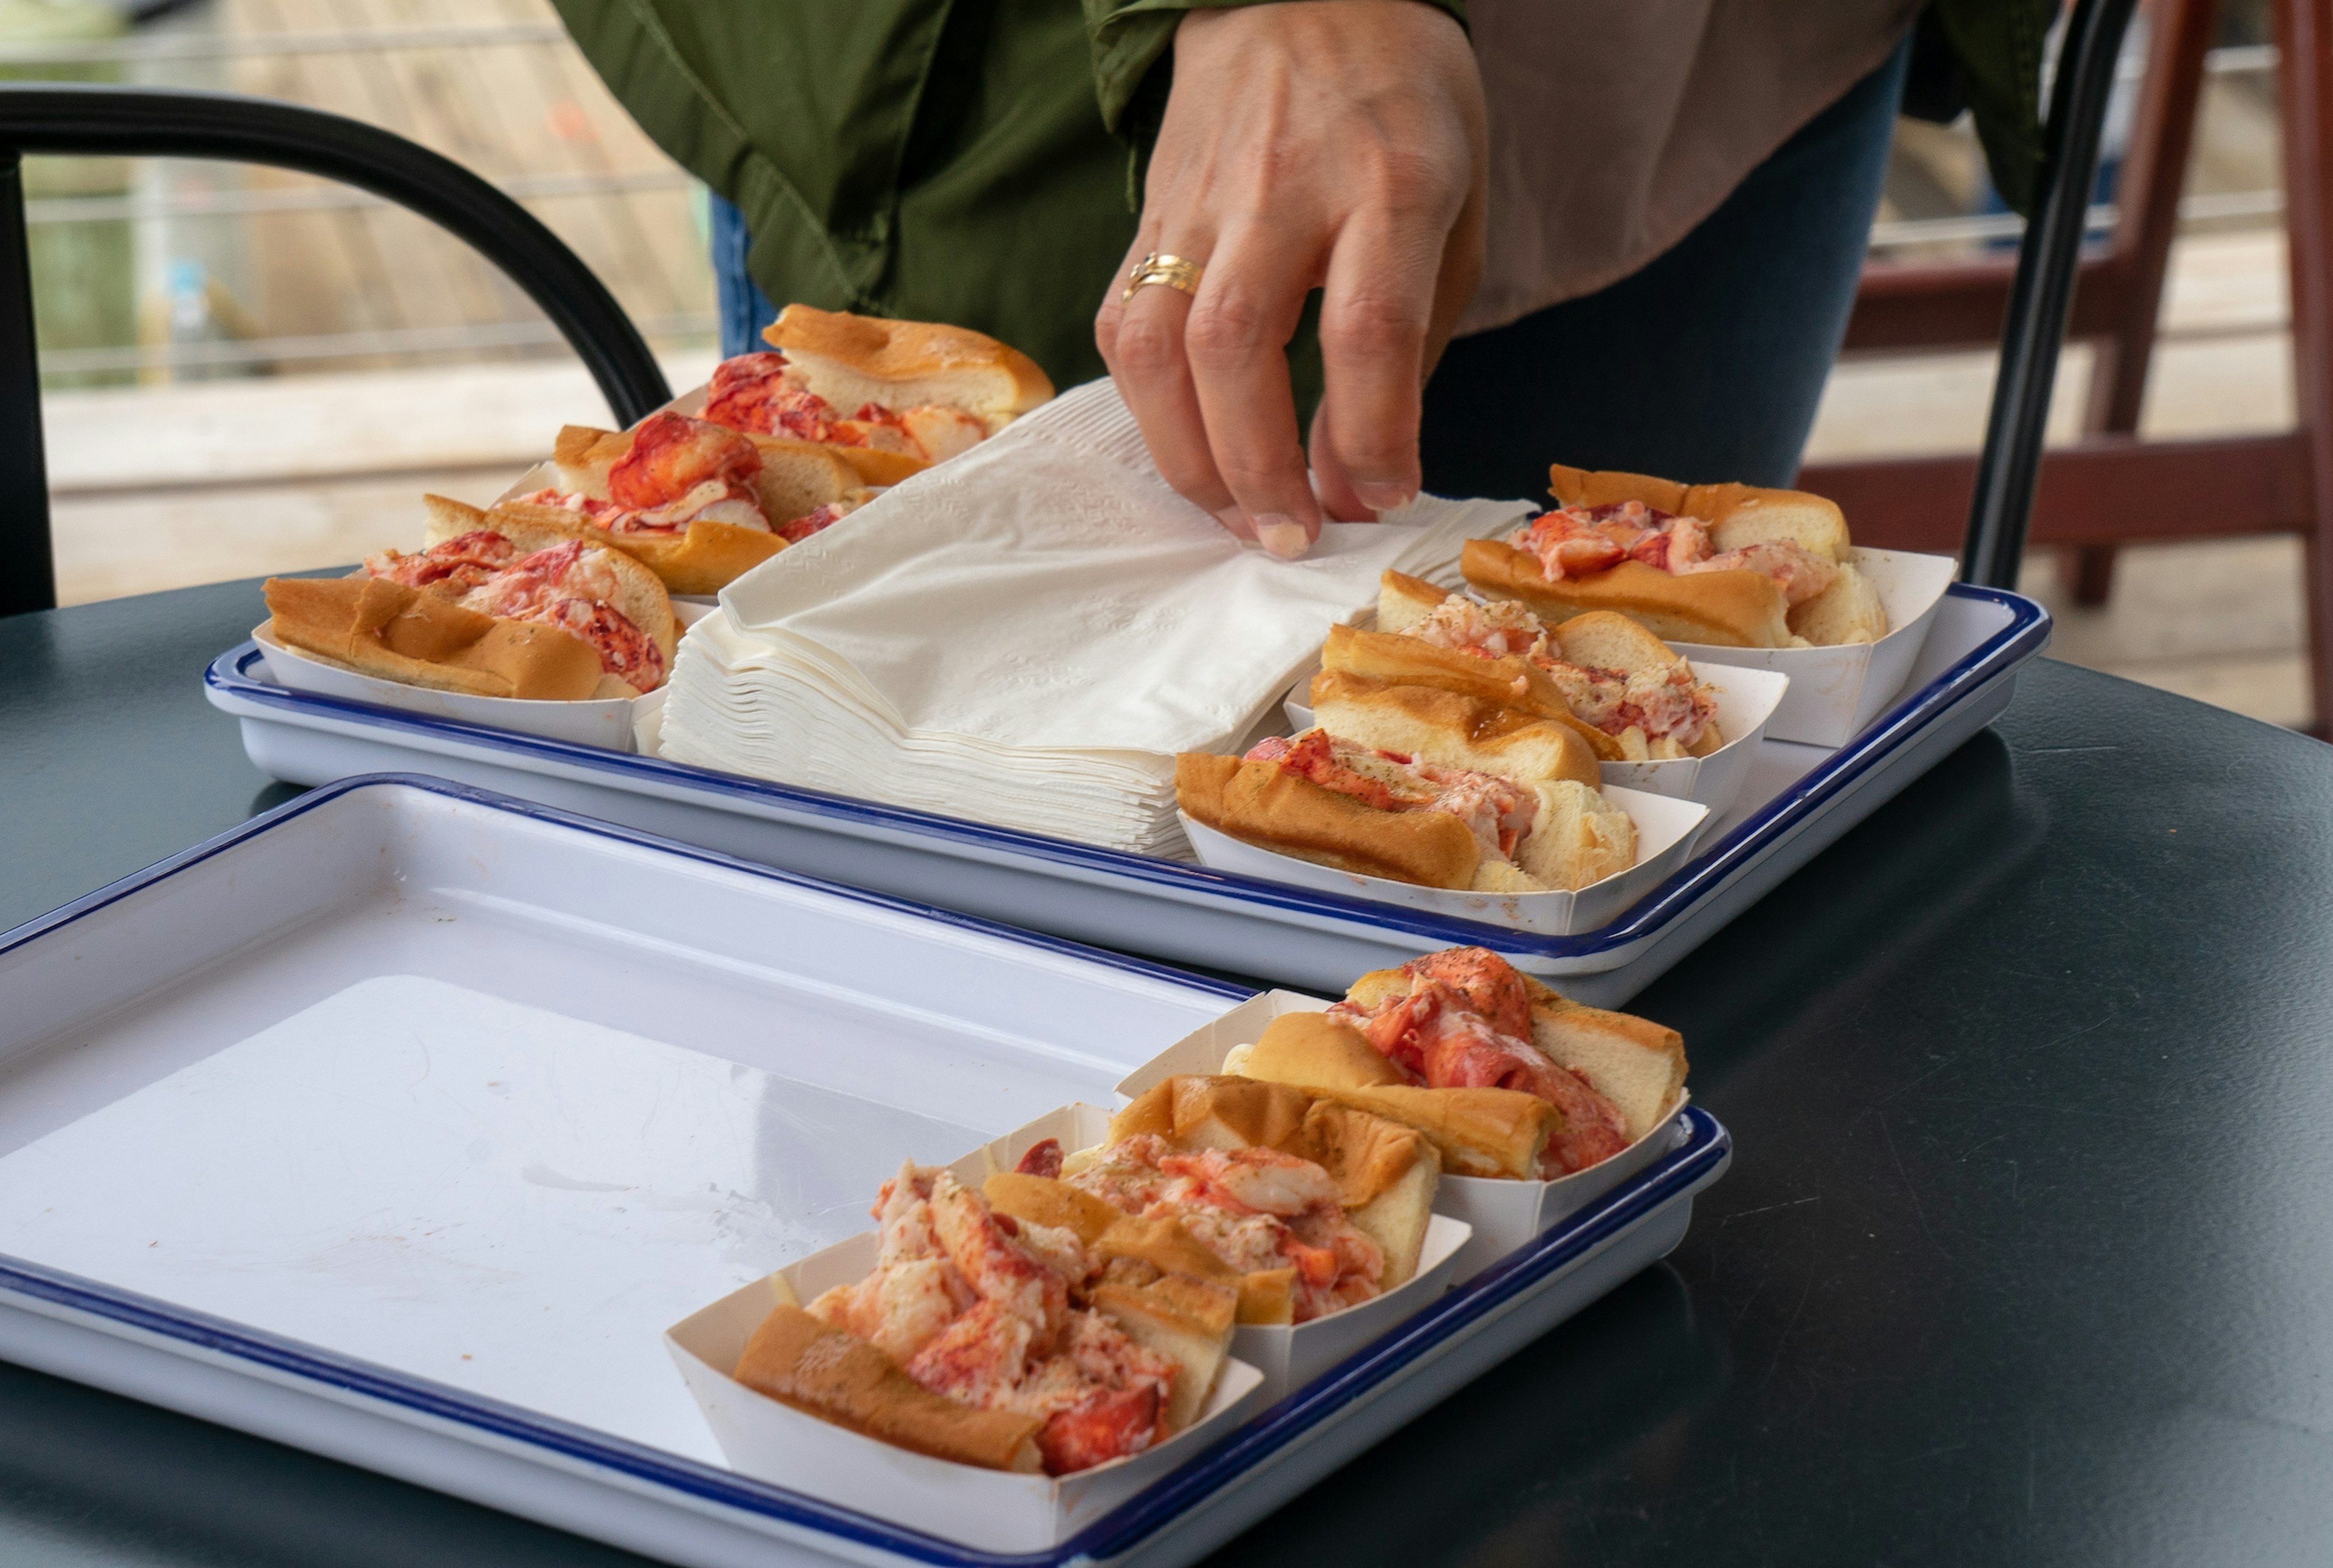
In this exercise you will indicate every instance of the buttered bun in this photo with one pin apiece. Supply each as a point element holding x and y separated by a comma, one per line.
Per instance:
<point>838,1376</point>
<point>850,360</point>
<point>1511,682</point>
<point>1448,730</point>
<point>1722,604</point>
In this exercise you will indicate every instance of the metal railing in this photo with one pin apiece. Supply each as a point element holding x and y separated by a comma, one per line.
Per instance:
<point>2220,206</point>
<point>329,198</point>
<point>456,339</point>
<point>263,46</point>
<point>240,203</point>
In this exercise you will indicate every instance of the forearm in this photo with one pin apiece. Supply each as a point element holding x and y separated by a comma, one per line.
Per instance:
<point>1131,38</point>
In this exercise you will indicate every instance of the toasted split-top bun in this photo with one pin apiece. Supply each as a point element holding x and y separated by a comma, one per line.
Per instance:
<point>1109,1233</point>
<point>640,595</point>
<point>851,359</point>
<point>703,558</point>
<point>1387,1173</point>
<point>1604,640</point>
<point>1044,1200</point>
<point>582,455</point>
<point>1599,639</point>
<point>838,1376</point>
<point>1159,1241</point>
<point>1193,1110</point>
<point>1261,803</point>
<point>1386,1170</point>
<point>1511,682</point>
<point>1188,1320</point>
<point>1314,1050</point>
<point>1735,607</point>
<point>1737,514</point>
<point>1446,730</point>
<point>379,627</point>
<point>1636,1064</point>
<point>1404,602</point>
<point>796,478</point>
<point>1494,1133</point>
<point>1579,837</point>
<point>1849,611</point>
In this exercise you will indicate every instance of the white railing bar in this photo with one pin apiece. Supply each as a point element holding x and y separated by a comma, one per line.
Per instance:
<point>256,45</point>
<point>327,198</point>
<point>2207,209</point>
<point>342,345</point>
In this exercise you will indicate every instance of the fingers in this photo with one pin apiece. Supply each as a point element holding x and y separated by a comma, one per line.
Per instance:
<point>1141,341</point>
<point>1375,311</point>
<point>1236,341</point>
<point>1330,483</point>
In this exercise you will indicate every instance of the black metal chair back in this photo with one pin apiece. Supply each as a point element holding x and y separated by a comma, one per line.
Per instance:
<point>167,122</point>
<point>2042,296</point>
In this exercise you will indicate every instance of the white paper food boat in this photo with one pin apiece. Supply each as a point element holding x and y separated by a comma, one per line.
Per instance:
<point>995,1510</point>
<point>608,722</point>
<point>992,1509</point>
<point>1836,692</point>
<point>1666,831</point>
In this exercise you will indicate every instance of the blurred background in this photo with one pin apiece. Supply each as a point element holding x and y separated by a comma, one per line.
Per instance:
<point>248,371</point>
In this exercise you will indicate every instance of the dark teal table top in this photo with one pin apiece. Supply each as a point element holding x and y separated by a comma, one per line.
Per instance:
<point>2026,1255</point>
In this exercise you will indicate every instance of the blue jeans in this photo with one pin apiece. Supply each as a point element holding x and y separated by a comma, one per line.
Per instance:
<point>1705,366</point>
<point>738,299</point>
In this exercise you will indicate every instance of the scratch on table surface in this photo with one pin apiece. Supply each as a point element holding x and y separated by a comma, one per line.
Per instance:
<point>1771,1208</point>
<point>1783,1341</point>
<point>2057,1040</point>
<point>1911,1189</point>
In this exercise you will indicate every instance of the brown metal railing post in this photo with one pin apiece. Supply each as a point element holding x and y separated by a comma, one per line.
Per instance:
<point>28,580</point>
<point>2147,199</point>
<point>2305,81</point>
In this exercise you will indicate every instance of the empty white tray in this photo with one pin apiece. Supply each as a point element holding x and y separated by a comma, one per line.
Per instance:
<point>398,1125</point>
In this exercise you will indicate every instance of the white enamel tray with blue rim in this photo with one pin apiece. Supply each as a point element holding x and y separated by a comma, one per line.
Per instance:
<point>397,1124</point>
<point>1796,800</point>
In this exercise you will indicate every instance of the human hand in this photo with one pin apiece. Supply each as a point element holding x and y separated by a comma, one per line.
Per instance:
<point>1330,144</point>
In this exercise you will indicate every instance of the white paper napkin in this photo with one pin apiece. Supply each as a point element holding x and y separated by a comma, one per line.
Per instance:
<point>1028,633</point>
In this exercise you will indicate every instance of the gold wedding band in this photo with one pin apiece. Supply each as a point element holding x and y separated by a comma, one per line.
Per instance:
<point>1160,268</point>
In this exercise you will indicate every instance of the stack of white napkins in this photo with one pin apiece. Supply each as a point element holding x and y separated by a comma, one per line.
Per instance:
<point>1027,634</point>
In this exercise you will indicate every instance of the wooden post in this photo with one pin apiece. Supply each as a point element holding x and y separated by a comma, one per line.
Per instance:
<point>2148,195</point>
<point>2305,80</point>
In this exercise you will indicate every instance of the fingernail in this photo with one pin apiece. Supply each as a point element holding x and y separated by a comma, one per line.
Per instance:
<point>1284,536</point>
<point>1378,495</point>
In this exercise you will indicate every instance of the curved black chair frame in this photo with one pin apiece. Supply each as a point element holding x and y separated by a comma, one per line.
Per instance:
<point>167,122</point>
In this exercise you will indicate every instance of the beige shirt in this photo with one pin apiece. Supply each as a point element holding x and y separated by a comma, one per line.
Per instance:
<point>1598,167</point>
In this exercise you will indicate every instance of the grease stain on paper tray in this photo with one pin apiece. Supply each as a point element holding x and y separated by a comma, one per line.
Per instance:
<point>465,1188</point>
